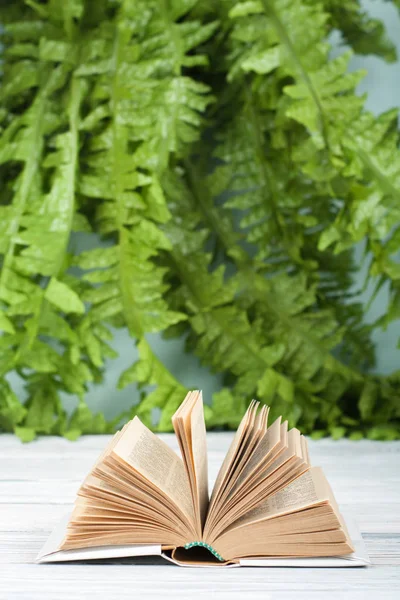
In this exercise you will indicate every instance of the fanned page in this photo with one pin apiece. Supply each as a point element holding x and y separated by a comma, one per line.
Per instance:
<point>137,493</point>
<point>190,430</point>
<point>299,520</point>
<point>267,500</point>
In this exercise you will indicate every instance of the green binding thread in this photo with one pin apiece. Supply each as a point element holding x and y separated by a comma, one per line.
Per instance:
<point>204,545</point>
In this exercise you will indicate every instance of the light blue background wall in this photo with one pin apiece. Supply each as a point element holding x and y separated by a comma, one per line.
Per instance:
<point>383,86</point>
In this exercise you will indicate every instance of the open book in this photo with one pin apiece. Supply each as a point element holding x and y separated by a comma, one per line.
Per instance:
<point>267,503</point>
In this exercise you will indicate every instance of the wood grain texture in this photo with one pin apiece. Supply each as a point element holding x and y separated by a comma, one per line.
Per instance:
<point>38,483</point>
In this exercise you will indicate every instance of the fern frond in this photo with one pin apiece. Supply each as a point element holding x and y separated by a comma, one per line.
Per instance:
<point>282,214</point>
<point>235,323</point>
<point>108,116</point>
<point>39,300</point>
<point>288,71</point>
<point>364,34</point>
<point>132,139</point>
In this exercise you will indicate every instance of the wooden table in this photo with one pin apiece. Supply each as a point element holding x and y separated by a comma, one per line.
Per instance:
<point>38,482</point>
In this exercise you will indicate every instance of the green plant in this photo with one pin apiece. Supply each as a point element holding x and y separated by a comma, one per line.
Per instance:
<point>230,168</point>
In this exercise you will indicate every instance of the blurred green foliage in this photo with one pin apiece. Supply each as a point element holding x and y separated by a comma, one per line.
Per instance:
<point>230,168</point>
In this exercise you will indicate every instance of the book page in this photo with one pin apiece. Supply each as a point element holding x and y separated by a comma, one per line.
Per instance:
<point>247,438</point>
<point>274,468</point>
<point>269,441</point>
<point>199,454</point>
<point>283,466</point>
<point>190,429</point>
<point>230,456</point>
<point>257,428</point>
<point>309,489</point>
<point>298,520</point>
<point>157,462</point>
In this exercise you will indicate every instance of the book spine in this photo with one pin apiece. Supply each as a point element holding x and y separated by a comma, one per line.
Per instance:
<point>204,545</point>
